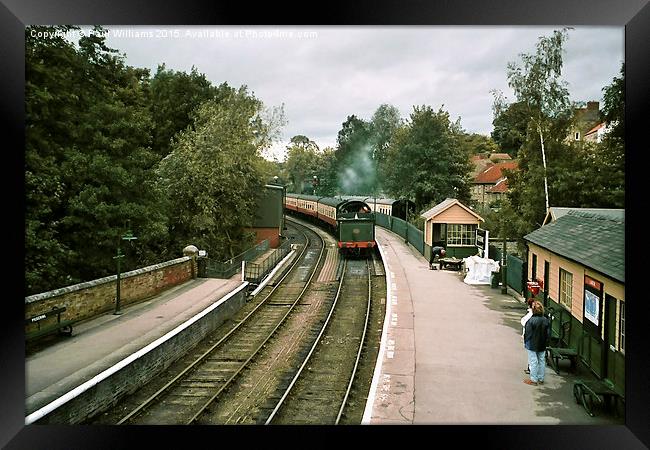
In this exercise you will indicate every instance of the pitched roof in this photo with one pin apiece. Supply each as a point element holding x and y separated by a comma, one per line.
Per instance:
<point>494,173</point>
<point>500,187</point>
<point>555,212</point>
<point>594,240</point>
<point>445,205</point>
<point>596,128</point>
<point>500,156</point>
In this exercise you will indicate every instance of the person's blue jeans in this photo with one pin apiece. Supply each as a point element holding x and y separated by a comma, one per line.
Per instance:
<point>537,365</point>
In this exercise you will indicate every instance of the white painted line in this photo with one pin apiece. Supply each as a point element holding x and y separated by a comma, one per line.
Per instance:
<point>45,410</point>
<point>268,278</point>
<point>370,402</point>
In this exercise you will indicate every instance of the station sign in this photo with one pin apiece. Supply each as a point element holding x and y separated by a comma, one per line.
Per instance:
<point>482,240</point>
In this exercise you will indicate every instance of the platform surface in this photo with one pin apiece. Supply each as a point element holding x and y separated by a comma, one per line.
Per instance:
<point>101,342</point>
<point>454,354</point>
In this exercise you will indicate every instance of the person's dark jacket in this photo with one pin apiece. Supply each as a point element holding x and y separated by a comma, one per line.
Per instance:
<point>436,251</point>
<point>537,333</point>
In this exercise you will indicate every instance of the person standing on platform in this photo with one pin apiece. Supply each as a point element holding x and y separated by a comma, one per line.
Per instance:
<point>536,336</point>
<point>436,253</point>
<point>529,314</point>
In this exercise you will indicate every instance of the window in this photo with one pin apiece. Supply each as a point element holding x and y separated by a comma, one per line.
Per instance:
<point>621,342</point>
<point>461,234</point>
<point>566,288</point>
<point>533,275</point>
<point>577,136</point>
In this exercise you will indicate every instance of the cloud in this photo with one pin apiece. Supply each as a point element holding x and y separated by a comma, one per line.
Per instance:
<point>324,74</point>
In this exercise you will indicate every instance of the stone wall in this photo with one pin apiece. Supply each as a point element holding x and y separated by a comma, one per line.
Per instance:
<point>86,300</point>
<point>106,389</point>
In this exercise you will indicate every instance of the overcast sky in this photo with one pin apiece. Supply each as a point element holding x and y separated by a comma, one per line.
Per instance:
<point>324,74</point>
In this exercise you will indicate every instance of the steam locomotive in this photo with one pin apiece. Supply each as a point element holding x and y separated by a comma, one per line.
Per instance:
<point>350,218</point>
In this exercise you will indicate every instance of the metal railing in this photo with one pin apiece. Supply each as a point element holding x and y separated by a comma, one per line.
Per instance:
<point>402,228</point>
<point>226,269</point>
<point>255,272</point>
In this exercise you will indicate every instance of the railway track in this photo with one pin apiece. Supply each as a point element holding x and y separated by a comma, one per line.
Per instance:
<point>244,385</point>
<point>193,391</point>
<point>319,391</point>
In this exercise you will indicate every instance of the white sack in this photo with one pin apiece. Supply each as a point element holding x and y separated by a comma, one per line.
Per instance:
<point>479,270</point>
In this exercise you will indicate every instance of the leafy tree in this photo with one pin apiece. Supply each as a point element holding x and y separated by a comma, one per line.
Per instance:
<point>301,163</point>
<point>614,106</point>
<point>476,144</point>
<point>327,173</point>
<point>87,160</point>
<point>51,65</point>
<point>428,162</point>
<point>510,125</point>
<point>175,96</point>
<point>385,121</point>
<point>538,87</point>
<point>212,175</point>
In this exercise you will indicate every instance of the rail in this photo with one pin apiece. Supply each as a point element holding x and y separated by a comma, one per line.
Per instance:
<point>220,344</point>
<point>333,400</point>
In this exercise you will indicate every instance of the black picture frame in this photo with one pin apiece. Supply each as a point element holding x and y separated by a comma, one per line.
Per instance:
<point>16,14</point>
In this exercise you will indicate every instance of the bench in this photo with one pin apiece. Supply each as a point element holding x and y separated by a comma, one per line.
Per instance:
<point>453,262</point>
<point>60,327</point>
<point>596,393</point>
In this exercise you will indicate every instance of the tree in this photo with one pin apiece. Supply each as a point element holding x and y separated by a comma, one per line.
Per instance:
<point>327,173</point>
<point>614,106</point>
<point>510,125</point>
<point>538,87</point>
<point>174,97</point>
<point>301,162</point>
<point>385,122</point>
<point>212,176</point>
<point>51,66</point>
<point>87,162</point>
<point>476,144</point>
<point>427,161</point>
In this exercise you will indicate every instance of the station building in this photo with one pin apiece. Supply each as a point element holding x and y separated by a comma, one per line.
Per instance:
<point>453,226</point>
<point>268,222</point>
<point>578,258</point>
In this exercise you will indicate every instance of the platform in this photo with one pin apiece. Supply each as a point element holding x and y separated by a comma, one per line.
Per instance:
<point>102,342</point>
<point>453,354</point>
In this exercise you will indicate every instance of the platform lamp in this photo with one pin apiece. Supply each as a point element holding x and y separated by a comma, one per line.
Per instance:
<point>128,236</point>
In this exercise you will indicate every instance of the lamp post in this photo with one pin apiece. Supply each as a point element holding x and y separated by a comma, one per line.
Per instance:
<point>128,236</point>
<point>314,183</point>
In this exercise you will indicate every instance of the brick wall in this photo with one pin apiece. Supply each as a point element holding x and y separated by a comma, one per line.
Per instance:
<point>272,234</point>
<point>87,300</point>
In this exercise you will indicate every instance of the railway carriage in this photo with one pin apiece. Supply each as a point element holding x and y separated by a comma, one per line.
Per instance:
<point>388,206</point>
<point>350,218</point>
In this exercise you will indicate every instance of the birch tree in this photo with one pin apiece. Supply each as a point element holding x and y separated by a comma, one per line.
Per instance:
<point>537,84</point>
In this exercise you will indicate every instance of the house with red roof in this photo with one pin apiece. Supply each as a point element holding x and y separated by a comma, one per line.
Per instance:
<point>491,184</point>
<point>480,162</point>
<point>597,133</point>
